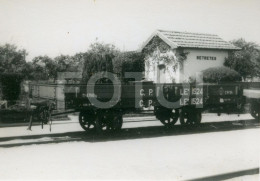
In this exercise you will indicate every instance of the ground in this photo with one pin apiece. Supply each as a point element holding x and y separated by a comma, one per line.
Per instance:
<point>142,151</point>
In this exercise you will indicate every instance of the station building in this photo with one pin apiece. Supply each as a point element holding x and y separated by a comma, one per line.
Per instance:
<point>175,57</point>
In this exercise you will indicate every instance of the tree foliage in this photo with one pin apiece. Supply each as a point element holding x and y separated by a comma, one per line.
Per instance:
<point>98,59</point>
<point>11,59</point>
<point>78,61</point>
<point>220,74</point>
<point>65,63</point>
<point>10,85</point>
<point>44,67</point>
<point>156,43</point>
<point>247,60</point>
<point>128,62</point>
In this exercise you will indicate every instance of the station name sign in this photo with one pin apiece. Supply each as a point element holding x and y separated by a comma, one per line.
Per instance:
<point>206,58</point>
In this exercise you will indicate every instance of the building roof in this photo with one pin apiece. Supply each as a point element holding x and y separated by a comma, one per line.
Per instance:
<point>177,39</point>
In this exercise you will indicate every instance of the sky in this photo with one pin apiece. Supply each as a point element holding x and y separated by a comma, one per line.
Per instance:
<point>55,27</point>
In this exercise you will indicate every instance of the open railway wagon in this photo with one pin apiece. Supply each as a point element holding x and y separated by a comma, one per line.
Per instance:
<point>252,93</point>
<point>102,106</point>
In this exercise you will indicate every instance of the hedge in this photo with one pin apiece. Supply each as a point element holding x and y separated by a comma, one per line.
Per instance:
<point>220,74</point>
<point>10,86</point>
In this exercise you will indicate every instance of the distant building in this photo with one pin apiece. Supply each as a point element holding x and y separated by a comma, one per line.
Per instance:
<point>201,50</point>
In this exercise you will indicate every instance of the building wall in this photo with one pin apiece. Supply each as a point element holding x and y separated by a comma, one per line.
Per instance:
<point>197,60</point>
<point>201,59</point>
<point>159,72</point>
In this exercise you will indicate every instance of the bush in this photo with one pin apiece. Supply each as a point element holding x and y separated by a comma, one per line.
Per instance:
<point>128,62</point>
<point>220,74</point>
<point>10,86</point>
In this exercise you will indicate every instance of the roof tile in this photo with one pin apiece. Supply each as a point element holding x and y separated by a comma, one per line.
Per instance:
<point>197,40</point>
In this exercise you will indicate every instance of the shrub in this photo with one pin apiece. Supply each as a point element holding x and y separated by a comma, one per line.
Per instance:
<point>10,86</point>
<point>128,62</point>
<point>220,74</point>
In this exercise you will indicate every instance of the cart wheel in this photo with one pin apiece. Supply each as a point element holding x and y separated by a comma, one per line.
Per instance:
<point>254,110</point>
<point>87,121</point>
<point>116,123</point>
<point>46,116</point>
<point>170,121</point>
<point>43,116</point>
<point>185,118</point>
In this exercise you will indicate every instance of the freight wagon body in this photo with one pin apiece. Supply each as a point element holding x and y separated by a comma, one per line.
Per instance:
<point>138,95</point>
<point>172,96</point>
<point>101,106</point>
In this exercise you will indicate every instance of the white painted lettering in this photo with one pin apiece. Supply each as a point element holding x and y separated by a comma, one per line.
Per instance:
<point>150,92</point>
<point>141,103</point>
<point>142,92</point>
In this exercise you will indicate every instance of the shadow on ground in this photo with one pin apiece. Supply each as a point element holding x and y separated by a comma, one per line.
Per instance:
<point>130,133</point>
<point>225,176</point>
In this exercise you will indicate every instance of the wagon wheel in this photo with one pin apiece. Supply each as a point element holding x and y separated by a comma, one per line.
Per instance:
<point>254,111</point>
<point>87,121</point>
<point>192,117</point>
<point>185,118</point>
<point>170,120</point>
<point>116,123</point>
<point>101,123</point>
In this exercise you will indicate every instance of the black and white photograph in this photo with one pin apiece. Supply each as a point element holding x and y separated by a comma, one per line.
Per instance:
<point>130,90</point>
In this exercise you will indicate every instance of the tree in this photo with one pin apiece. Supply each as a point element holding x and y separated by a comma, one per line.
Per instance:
<point>128,62</point>
<point>102,48</point>
<point>12,60</point>
<point>10,85</point>
<point>78,61</point>
<point>98,59</point>
<point>28,71</point>
<point>63,63</point>
<point>246,61</point>
<point>44,68</point>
